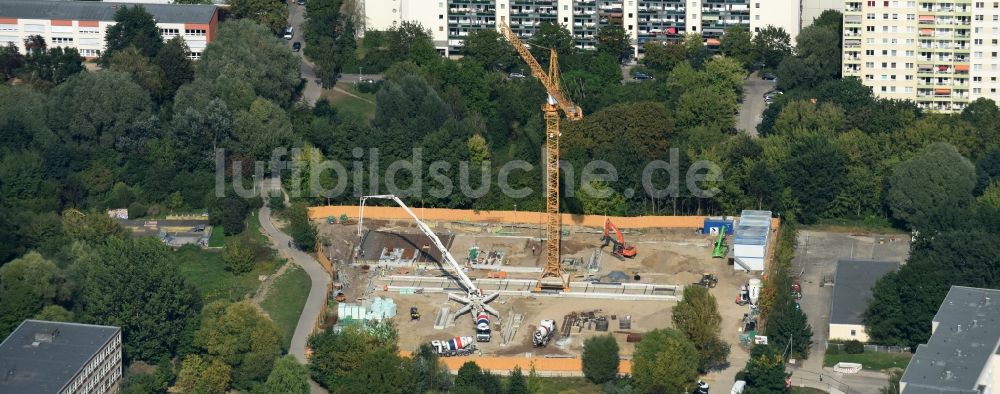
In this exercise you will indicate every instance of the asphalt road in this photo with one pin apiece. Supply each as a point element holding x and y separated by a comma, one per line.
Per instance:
<point>319,279</point>
<point>753,103</point>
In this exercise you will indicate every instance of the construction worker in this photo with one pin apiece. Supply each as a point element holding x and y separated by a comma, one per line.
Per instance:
<point>532,250</point>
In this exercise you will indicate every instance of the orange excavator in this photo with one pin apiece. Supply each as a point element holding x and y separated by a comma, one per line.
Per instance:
<point>613,236</point>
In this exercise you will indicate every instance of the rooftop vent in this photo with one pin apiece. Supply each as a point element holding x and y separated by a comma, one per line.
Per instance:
<point>947,375</point>
<point>46,337</point>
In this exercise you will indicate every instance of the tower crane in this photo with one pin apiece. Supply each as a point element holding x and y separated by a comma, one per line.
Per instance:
<point>555,103</point>
<point>475,300</point>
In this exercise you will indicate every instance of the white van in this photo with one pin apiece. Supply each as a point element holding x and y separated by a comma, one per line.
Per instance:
<point>288,33</point>
<point>738,387</point>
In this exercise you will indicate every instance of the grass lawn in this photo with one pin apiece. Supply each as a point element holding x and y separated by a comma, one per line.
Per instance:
<point>218,237</point>
<point>807,390</point>
<point>285,301</point>
<point>204,270</point>
<point>343,102</point>
<point>874,361</point>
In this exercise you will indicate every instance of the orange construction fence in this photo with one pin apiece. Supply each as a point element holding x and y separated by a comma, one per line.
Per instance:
<point>508,217</point>
<point>543,365</point>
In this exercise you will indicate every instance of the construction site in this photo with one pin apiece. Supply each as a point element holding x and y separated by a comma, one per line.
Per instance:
<point>494,302</point>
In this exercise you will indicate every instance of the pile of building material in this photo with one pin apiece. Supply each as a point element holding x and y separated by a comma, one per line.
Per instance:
<point>441,320</point>
<point>591,320</point>
<point>485,259</point>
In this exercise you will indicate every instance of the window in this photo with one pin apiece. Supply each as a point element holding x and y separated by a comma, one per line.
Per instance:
<point>8,28</point>
<point>565,8</point>
<point>979,17</point>
<point>90,30</point>
<point>885,3</point>
<point>194,55</point>
<point>34,28</point>
<point>885,65</point>
<point>565,20</point>
<point>977,90</point>
<point>870,52</point>
<point>757,17</point>
<point>911,17</point>
<point>90,53</point>
<point>195,33</point>
<point>869,28</point>
<point>870,64</point>
<point>440,16</point>
<point>853,332</point>
<point>979,4</point>
<point>908,89</point>
<point>895,16</point>
<point>909,78</point>
<point>978,41</point>
<point>885,16</point>
<point>909,53</point>
<point>871,3</point>
<point>977,79</point>
<point>62,40</point>
<point>169,32</point>
<point>756,5</point>
<point>908,65</point>
<point>870,16</point>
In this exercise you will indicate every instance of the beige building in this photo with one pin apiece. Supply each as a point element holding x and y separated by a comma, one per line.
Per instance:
<point>852,289</point>
<point>961,355</point>
<point>941,55</point>
<point>643,20</point>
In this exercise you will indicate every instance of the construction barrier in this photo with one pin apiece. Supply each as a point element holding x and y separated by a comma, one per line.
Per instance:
<point>508,217</point>
<point>544,366</point>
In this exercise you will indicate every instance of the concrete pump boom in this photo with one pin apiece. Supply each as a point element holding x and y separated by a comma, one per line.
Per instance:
<point>476,301</point>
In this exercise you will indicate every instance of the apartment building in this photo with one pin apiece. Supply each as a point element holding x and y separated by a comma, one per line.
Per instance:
<point>940,54</point>
<point>82,24</point>
<point>65,358</point>
<point>963,354</point>
<point>450,21</point>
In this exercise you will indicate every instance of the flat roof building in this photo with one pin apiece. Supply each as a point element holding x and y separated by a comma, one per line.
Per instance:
<point>82,24</point>
<point>54,357</point>
<point>852,289</point>
<point>961,355</point>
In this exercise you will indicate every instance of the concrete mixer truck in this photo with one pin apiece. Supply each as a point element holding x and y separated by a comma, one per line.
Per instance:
<point>545,331</point>
<point>457,346</point>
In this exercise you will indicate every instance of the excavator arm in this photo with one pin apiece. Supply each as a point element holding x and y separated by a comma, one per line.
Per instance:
<point>550,80</point>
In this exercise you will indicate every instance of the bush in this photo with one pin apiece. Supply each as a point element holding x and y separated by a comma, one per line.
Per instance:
<point>600,358</point>
<point>136,210</point>
<point>854,347</point>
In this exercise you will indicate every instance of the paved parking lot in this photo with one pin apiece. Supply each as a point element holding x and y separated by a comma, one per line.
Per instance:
<point>752,107</point>
<point>816,256</point>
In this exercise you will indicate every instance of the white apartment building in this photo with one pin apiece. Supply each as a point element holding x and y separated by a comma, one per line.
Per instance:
<point>643,20</point>
<point>940,54</point>
<point>82,24</point>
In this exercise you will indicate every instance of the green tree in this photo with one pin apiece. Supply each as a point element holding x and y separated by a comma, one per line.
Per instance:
<point>936,177</point>
<point>662,57</point>
<point>516,384</point>
<point>248,52</point>
<point>665,361</point>
<point>261,129</point>
<point>287,377</point>
<point>596,198</point>
<point>336,356</point>
<point>152,304</point>
<point>54,313</point>
<point>697,316</point>
<point>550,35</point>
<point>26,285</point>
<point>428,371</point>
<point>10,60</point>
<point>22,116</point>
<point>491,49</point>
<point>814,173</point>
<point>991,196</point>
<point>788,328</point>
<point>268,13</point>
<point>46,67</point>
<point>725,73</point>
<point>831,19</point>
<point>98,109</point>
<point>772,45</point>
<point>804,115</point>
<point>198,375</point>
<point>765,371</point>
<point>230,212</point>
<point>134,27</point>
<point>239,335</point>
<point>382,371</point>
<point>143,71</point>
<point>706,106</point>
<point>240,254</point>
<point>303,231</point>
<point>177,68</point>
<point>817,58</point>
<point>600,359</point>
<point>612,40</point>
<point>737,43</point>
<point>329,37</point>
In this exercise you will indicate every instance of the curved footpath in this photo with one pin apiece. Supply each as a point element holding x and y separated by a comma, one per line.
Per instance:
<point>317,291</point>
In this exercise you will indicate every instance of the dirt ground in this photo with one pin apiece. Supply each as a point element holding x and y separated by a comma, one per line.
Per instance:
<point>664,257</point>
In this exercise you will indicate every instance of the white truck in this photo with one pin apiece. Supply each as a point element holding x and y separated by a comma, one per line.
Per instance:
<point>483,327</point>
<point>544,332</point>
<point>457,346</point>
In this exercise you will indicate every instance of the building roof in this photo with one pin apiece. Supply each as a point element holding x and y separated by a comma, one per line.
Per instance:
<point>102,11</point>
<point>852,288</point>
<point>42,356</point>
<point>966,335</point>
<point>752,228</point>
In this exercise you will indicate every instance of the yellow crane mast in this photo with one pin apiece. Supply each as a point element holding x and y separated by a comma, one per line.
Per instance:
<point>556,101</point>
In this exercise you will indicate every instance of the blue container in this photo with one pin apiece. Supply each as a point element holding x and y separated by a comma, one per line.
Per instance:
<point>717,223</point>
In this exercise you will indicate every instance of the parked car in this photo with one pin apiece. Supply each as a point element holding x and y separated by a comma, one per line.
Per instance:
<point>641,76</point>
<point>302,2</point>
<point>199,228</point>
<point>288,32</point>
<point>770,77</point>
<point>517,75</point>
<point>296,46</point>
